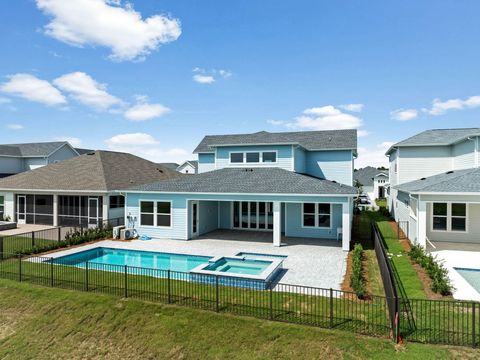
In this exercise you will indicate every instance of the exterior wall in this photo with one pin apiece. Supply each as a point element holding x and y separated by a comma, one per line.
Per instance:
<point>64,153</point>
<point>225,215</point>
<point>377,184</point>
<point>294,223</point>
<point>186,169</point>
<point>472,235</point>
<point>34,163</point>
<point>403,215</point>
<point>393,173</point>
<point>284,156</point>
<point>300,160</point>
<point>208,216</point>
<point>10,165</point>
<point>418,162</point>
<point>180,228</point>
<point>331,165</point>
<point>464,155</point>
<point>206,162</point>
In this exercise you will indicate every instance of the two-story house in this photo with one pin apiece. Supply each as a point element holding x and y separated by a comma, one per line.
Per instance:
<point>298,184</point>
<point>17,158</point>
<point>435,185</point>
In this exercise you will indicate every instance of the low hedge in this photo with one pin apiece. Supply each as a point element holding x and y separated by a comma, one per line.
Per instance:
<point>357,279</point>
<point>436,271</point>
<point>73,238</point>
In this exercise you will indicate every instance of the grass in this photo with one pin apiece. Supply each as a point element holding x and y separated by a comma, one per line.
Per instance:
<point>381,202</point>
<point>15,244</point>
<point>43,323</point>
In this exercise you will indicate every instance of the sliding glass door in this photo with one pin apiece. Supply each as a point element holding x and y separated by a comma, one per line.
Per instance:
<point>252,215</point>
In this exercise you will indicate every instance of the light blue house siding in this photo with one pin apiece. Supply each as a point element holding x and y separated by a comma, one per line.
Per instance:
<point>300,160</point>
<point>284,156</point>
<point>331,165</point>
<point>215,213</point>
<point>206,162</point>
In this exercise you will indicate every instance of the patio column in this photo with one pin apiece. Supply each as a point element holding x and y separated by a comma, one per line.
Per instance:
<point>106,206</point>
<point>422,223</point>
<point>55,210</point>
<point>346,225</point>
<point>277,228</point>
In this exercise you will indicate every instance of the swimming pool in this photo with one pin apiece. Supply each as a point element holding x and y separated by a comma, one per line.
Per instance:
<point>472,276</point>
<point>239,266</point>
<point>133,258</point>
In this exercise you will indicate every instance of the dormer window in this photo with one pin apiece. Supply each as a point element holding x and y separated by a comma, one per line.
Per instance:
<point>253,157</point>
<point>269,156</point>
<point>236,157</point>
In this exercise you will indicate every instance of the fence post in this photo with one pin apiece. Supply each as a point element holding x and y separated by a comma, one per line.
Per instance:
<point>398,230</point>
<point>51,272</point>
<point>59,234</point>
<point>168,287</point>
<point>20,268</point>
<point>126,281</point>
<point>216,293</point>
<point>331,308</point>
<point>1,248</point>
<point>81,229</point>
<point>33,239</point>
<point>86,275</point>
<point>474,342</point>
<point>271,301</point>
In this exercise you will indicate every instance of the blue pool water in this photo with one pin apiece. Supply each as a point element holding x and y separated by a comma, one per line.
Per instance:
<point>472,276</point>
<point>238,266</point>
<point>143,259</point>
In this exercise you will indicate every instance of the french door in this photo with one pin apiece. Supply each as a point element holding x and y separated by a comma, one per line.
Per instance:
<point>252,215</point>
<point>22,209</point>
<point>93,212</point>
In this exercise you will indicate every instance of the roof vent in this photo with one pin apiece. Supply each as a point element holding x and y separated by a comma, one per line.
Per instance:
<point>91,153</point>
<point>160,170</point>
<point>330,138</point>
<point>423,179</point>
<point>449,172</point>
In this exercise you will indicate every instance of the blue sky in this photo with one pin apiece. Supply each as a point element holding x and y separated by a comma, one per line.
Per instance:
<point>154,77</point>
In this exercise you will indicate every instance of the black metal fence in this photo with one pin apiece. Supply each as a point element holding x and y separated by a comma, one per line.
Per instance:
<point>449,322</point>
<point>319,307</point>
<point>43,239</point>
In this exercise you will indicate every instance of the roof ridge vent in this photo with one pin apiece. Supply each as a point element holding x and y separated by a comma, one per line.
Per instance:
<point>449,172</point>
<point>423,178</point>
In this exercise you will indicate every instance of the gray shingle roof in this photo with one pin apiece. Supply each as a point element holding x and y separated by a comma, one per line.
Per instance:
<point>31,149</point>
<point>458,181</point>
<point>365,175</point>
<point>248,181</point>
<point>100,171</point>
<point>438,137</point>
<point>171,166</point>
<point>310,140</point>
<point>83,151</point>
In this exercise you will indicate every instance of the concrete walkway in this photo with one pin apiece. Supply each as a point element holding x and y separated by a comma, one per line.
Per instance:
<point>309,262</point>
<point>22,229</point>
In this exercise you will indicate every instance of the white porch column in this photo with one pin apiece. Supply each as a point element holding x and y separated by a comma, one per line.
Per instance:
<point>9,206</point>
<point>422,223</point>
<point>105,207</point>
<point>277,227</point>
<point>55,210</point>
<point>346,225</point>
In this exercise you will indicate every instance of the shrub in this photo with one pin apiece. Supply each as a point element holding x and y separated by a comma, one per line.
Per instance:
<point>436,271</point>
<point>357,281</point>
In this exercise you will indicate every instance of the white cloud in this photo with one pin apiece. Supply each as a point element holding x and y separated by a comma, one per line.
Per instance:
<point>276,122</point>
<point>225,73</point>
<point>34,89</point>
<point>362,133</point>
<point>325,118</point>
<point>353,107</point>
<point>145,146</point>
<point>145,111</point>
<point>83,88</point>
<point>373,156</point>
<point>4,100</point>
<point>133,139</point>
<point>107,23</point>
<point>440,107</point>
<point>203,79</point>
<point>74,141</point>
<point>404,114</point>
<point>15,126</point>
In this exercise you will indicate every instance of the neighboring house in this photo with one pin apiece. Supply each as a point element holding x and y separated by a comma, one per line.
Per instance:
<point>83,151</point>
<point>16,158</point>
<point>188,167</point>
<point>298,184</point>
<point>372,180</point>
<point>81,190</point>
<point>171,166</point>
<point>434,179</point>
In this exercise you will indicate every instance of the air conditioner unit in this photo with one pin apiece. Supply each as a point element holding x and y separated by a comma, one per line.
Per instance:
<point>127,234</point>
<point>116,231</point>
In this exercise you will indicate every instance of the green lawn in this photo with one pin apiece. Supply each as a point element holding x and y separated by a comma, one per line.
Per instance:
<point>42,323</point>
<point>381,202</point>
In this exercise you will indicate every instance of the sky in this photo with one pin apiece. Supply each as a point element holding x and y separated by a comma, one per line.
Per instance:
<point>152,77</point>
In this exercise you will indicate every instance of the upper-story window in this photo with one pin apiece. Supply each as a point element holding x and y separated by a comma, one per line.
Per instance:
<point>253,157</point>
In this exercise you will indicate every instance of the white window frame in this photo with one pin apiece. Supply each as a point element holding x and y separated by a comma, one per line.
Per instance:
<point>449,217</point>
<point>244,157</point>
<point>316,214</point>
<point>155,213</point>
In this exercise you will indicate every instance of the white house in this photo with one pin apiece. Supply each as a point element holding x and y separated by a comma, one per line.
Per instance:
<point>188,167</point>
<point>17,158</point>
<point>435,185</point>
<point>372,180</point>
